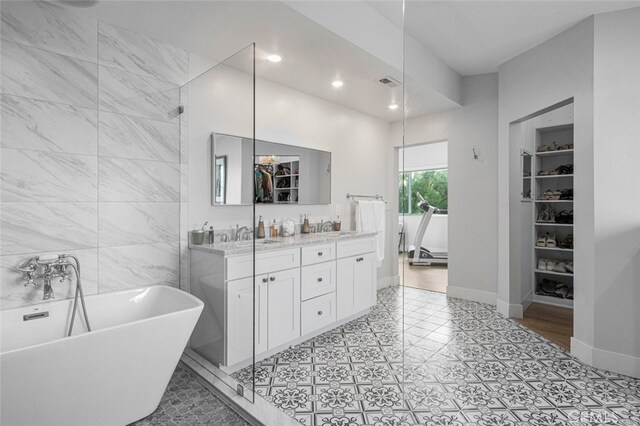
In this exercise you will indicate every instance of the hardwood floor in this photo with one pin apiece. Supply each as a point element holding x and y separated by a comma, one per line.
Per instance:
<point>433,278</point>
<point>554,323</point>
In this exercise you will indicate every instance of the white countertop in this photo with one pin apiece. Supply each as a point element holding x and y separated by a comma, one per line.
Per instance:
<point>266,244</point>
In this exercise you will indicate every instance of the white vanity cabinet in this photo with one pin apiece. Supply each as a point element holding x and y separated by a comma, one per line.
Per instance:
<point>300,291</point>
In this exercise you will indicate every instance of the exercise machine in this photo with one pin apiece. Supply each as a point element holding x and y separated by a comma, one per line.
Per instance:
<point>424,256</point>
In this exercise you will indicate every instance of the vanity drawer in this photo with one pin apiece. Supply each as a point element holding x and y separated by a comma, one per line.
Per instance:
<point>319,253</point>
<point>318,313</point>
<point>318,279</point>
<point>356,246</point>
<point>268,261</point>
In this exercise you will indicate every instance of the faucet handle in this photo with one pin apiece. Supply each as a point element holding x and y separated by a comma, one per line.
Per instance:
<point>31,281</point>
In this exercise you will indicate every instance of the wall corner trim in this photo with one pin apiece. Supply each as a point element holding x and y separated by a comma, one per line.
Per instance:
<point>606,360</point>
<point>471,294</point>
<point>507,310</point>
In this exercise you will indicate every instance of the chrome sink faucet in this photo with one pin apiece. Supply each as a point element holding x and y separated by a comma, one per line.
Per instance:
<point>239,232</point>
<point>325,226</point>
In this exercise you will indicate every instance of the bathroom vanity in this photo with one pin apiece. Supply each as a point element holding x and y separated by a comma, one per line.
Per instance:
<point>304,286</point>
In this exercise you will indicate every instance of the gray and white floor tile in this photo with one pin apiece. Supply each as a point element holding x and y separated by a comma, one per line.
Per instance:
<point>460,364</point>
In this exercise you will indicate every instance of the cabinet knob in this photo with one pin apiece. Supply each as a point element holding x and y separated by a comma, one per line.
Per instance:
<point>319,312</point>
<point>319,253</point>
<point>272,278</point>
<point>265,279</point>
<point>320,279</point>
<point>360,259</point>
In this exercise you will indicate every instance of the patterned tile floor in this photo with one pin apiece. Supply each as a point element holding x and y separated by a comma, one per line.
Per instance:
<point>187,402</point>
<point>461,364</point>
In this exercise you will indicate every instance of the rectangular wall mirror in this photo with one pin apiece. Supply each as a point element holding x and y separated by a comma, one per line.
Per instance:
<point>279,174</point>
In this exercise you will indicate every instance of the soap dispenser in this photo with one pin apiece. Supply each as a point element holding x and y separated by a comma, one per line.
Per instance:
<point>305,225</point>
<point>260,233</point>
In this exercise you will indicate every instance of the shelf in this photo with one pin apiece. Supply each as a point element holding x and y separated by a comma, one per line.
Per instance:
<point>553,301</point>
<point>553,176</point>
<point>554,249</point>
<point>526,177</point>
<point>281,176</point>
<point>560,274</point>
<point>552,224</point>
<point>287,188</point>
<point>553,201</point>
<point>554,153</point>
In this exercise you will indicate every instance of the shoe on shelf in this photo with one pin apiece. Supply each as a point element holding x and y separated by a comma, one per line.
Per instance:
<point>542,241</point>
<point>542,264</point>
<point>565,147</point>
<point>551,240</point>
<point>543,148</point>
<point>569,266</point>
<point>551,265</point>
<point>560,267</point>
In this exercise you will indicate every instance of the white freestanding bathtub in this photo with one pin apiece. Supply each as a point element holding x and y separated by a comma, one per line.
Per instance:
<point>113,375</point>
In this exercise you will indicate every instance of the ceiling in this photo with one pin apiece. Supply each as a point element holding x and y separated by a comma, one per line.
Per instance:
<point>312,55</point>
<point>475,37</point>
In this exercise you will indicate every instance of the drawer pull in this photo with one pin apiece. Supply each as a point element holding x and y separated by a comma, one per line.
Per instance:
<point>272,278</point>
<point>319,253</point>
<point>320,279</point>
<point>360,259</point>
<point>319,312</point>
<point>264,280</point>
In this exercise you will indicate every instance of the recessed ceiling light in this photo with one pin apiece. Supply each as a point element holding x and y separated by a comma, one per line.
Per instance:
<point>337,84</point>
<point>274,58</point>
<point>393,107</point>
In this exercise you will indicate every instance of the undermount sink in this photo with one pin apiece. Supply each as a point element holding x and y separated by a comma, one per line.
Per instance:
<point>338,233</point>
<point>249,243</point>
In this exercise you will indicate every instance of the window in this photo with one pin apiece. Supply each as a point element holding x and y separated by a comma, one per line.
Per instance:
<point>431,184</point>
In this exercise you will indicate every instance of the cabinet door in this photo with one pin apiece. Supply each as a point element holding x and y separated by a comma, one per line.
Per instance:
<point>365,281</point>
<point>283,293</point>
<point>240,322</point>
<point>345,287</point>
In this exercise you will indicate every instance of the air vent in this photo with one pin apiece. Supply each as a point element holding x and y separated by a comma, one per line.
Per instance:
<point>389,82</point>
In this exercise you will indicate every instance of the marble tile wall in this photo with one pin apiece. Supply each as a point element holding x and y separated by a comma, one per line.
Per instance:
<point>90,152</point>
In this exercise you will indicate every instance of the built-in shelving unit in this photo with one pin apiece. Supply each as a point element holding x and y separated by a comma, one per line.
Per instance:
<point>553,149</point>
<point>286,185</point>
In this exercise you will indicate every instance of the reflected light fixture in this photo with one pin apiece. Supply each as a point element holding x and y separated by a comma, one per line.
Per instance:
<point>337,84</point>
<point>393,107</point>
<point>274,58</point>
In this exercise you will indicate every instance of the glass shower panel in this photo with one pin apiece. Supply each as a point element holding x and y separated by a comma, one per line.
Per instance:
<point>216,103</point>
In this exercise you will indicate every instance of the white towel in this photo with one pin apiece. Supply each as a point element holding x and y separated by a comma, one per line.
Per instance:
<point>370,217</point>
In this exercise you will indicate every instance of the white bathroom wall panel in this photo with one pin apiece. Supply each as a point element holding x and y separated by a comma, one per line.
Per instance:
<point>47,176</point>
<point>35,227</point>
<point>139,265</point>
<point>128,51</point>
<point>39,74</point>
<point>130,223</point>
<point>47,126</point>
<point>138,138</point>
<point>127,93</point>
<point>46,26</point>
<point>137,180</point>
<point>90,150</point>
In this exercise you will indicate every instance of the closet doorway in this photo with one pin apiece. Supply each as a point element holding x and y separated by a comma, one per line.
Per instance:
<point>423,216</point>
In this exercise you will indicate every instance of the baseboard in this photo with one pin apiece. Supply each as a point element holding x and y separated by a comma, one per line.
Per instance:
<point>508,310</point>
<point>471,294</point>
<point>606,360</point>
<point>388,281</point>
<point>528,299</point>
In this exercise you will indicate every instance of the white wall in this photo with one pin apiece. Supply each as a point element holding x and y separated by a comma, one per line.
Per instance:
<point>616,190</point>
<point>473,216</point>
<point>559,69</point>
<point>357,142</point>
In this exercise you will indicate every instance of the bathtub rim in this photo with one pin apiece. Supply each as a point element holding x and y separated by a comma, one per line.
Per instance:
<point>199,305</point>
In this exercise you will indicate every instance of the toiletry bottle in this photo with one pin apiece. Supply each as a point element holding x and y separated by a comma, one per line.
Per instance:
<point>305,225</point>
<point>260,233</point>
<point>211,238</point>
<point>274,229</point>
<point>337,224</point>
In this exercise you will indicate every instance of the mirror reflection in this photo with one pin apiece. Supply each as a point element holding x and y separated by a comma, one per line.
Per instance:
<point>279,173</point>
